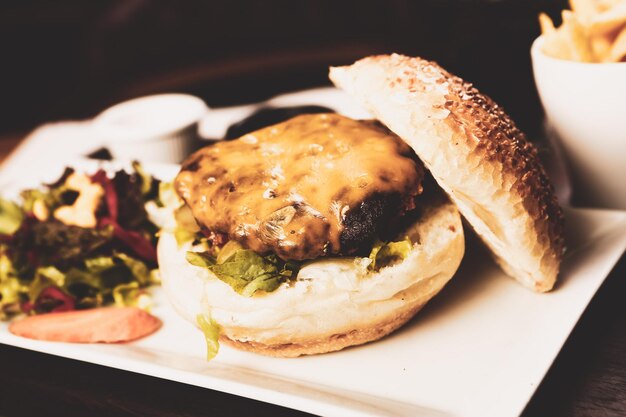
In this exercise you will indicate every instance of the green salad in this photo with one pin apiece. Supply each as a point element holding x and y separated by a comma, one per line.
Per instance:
<point>80,242</point>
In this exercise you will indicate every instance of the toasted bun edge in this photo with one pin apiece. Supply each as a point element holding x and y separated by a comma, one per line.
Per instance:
<point>476,154</point>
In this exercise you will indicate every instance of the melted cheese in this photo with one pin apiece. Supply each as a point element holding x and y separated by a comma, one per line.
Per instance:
<point>287,188</point>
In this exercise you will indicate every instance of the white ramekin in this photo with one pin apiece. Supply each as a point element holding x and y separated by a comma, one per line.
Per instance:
<point>158,128</point>
<point>585,104</point>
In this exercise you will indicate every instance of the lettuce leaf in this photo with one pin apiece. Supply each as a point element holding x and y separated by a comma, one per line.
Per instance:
<point>99,264</point>
<point>138,269</point>
<point>11,216</point>
<point>88,284</point>
<point>125,295</point>
<point>45,277</point>
<point>118,278</point>
<point>146,179</point>
<point>246,271</point>
<point>174,216</point>
<point>11,289</point>
<point>186,225</point>
<point>131,211</point>
<point>386,254</point>
<point>167,196</point>
<point>181,235</point>
<point>51,299</point>
<point>101,273</point>
<point>132,295</point>
<point>121,265</point>
<point>201,259</point>
<point>47,293</point>
<point>211,331</point>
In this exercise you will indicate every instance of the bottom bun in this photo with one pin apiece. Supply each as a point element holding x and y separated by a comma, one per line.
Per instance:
<point>330,343</point>
<point>333,303</point>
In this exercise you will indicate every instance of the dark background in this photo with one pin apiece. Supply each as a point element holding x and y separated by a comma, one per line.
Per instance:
<point>72,58</point>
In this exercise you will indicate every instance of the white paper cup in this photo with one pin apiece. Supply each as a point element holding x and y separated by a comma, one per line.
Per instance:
<point>159,128</point>
<point>585,104</point>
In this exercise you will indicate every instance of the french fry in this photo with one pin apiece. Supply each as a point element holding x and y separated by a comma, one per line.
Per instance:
<point>604,5</point>
<point>608,21</point>
<point>618,49</point>
<point>556,46</point>
<point>593,31</point>
<point>546,24</point>
<point>576,37</point>
<point>554,43</point>
<point>601,47</point>
<point>584,9</point>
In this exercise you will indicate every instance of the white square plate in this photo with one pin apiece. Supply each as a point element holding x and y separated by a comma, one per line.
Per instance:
<point>480,348</point>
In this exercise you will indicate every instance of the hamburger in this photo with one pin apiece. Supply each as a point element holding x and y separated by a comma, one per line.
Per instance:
<point>323,232</point>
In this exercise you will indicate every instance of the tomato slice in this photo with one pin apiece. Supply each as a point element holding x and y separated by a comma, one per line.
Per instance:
<point>98,325</point>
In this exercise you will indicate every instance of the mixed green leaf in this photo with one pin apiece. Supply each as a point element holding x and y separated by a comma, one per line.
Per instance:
<point>245,270</point>
<point>211,331</point>
<point>49,264</point>
<point>389,253</point>
<point>11,216</point>
<point>248,272</point>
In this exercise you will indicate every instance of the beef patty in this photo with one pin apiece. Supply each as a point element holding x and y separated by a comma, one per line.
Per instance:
<point>314,185</point>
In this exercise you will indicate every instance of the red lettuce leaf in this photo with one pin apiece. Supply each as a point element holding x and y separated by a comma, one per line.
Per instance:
<point>110,194</point>
<point>135,241</point>
<point>50,300</point>
<point>131,210</point>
